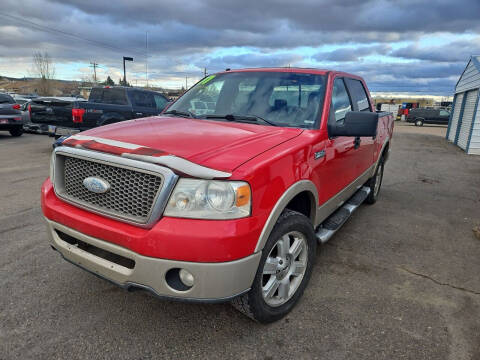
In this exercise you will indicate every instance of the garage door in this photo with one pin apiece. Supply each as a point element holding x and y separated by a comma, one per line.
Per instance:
<point>457,109</point>
<point>466,122</point>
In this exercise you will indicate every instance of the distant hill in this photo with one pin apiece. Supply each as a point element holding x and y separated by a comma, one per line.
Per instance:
<point>30,86</point>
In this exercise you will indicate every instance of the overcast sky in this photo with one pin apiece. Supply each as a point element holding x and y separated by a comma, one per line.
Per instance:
<point>408,45</point>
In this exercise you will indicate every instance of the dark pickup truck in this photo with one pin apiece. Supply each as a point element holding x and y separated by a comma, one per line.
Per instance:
<point>48,112</point>
<point>107,105</point>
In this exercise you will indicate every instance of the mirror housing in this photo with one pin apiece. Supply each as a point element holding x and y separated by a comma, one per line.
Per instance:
<point>356,124</point>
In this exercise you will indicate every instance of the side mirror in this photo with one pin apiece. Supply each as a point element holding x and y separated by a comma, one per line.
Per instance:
<point>356,124</point>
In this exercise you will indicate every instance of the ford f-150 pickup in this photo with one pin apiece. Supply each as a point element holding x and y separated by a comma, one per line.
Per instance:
<point>227,203</point>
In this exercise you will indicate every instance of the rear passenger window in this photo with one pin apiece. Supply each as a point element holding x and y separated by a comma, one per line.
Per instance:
<point>114,96</point>
<point>359,95</point>
<point>143,99</point>
<point>96,95</point>
<point>340,100</point>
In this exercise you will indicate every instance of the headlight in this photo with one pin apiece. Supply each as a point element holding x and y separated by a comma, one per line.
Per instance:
<point>209,199</point>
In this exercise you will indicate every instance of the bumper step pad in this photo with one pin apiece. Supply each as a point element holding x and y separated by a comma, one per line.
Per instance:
<point>331,225</point>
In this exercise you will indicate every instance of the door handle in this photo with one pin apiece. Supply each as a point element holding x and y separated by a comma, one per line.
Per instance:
<point>138,113</point>
<point>356,143</point>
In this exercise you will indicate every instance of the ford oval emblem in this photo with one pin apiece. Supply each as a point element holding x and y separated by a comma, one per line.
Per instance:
<point>96,185</point>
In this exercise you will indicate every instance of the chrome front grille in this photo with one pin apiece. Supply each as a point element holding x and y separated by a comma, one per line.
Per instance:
<point>138,191</point>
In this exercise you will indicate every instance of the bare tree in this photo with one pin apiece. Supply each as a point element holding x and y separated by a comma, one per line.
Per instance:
<point>44,69</point>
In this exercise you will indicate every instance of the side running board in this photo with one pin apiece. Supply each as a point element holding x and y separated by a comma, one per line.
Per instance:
<point>331,225</point>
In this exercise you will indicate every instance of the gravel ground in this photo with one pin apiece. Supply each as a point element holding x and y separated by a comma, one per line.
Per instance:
<point>399,281</point>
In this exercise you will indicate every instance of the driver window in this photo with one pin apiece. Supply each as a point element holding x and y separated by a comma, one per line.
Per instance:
<point>340,100</point>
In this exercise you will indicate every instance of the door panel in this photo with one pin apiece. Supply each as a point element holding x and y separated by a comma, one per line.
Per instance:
<point>344,161</point>
<point>465,122</point>
<point>456,114</point>
<point>364,153</point>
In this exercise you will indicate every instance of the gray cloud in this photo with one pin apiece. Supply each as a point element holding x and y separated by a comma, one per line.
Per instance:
<point>452,52</point>
<point>352,53</point>
<point>320,15</point>
<point>183,38</point>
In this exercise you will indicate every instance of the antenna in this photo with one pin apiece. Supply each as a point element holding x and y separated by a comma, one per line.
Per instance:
<point>146,61</point>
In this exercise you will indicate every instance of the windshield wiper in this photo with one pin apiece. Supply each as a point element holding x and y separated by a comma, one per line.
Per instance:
<point>248,118</point>
<point>188,114</point>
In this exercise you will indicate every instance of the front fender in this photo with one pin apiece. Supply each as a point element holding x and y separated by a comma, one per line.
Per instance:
<point>287,196</point>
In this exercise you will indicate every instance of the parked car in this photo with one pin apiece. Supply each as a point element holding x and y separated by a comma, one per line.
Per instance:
<point>428,116</point>
<point>24,108</point>
<point>107,105</point>
<point>10,115</point>
<point>48,112</point>
<point>224,206</point>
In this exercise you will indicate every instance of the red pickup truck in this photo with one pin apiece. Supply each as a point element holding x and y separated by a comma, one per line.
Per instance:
<point>224,196</point>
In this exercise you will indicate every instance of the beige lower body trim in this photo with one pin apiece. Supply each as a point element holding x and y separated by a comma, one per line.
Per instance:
<point>213,281</point>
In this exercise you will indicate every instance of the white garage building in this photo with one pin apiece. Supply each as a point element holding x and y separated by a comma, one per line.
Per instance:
<point>464,125</point>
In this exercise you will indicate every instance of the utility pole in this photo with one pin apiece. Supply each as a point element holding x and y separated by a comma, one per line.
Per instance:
<point>94,65</point>
<point>186,83</point>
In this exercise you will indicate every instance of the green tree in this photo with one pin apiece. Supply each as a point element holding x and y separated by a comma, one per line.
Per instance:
<point>109,81</point>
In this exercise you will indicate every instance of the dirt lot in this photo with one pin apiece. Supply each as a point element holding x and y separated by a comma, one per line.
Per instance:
<point>399,281</point>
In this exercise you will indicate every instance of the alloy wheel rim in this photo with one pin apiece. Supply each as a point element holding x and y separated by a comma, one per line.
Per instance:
<point>284,268</point>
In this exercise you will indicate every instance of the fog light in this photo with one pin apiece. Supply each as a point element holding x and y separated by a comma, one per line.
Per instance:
<point>186,277</point>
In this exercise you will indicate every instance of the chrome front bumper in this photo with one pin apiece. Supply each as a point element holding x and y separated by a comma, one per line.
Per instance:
<point>213,282</point>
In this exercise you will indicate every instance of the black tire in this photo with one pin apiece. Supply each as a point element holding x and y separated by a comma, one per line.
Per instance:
<point>419,121</point>
<point>374,191</point>
<point>253,303</point>
<point>16,132</point>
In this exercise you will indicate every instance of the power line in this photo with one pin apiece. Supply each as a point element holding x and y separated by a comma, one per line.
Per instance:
<point>45,28</point>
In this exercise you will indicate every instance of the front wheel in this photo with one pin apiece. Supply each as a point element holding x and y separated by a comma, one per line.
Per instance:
<point>418,122</point>
<point>284,270</point>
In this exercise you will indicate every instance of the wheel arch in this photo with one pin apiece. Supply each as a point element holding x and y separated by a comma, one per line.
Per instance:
<point>382,154</point>
<point>301,190</point>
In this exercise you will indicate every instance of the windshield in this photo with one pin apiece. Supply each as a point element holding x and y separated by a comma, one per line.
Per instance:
<point>279,98</point>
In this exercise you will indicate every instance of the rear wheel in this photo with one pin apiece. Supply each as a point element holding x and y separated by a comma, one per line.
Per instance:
<point>284,269</point>
<point>18,131</point>
<point>375,183</point>
<point>419,122</point>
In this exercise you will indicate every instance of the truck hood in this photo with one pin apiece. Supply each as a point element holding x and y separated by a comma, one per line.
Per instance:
<point>218,145</point>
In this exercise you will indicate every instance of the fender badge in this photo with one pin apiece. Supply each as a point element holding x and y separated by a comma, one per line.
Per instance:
<point>319,154</point>
<point>96,185</point>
